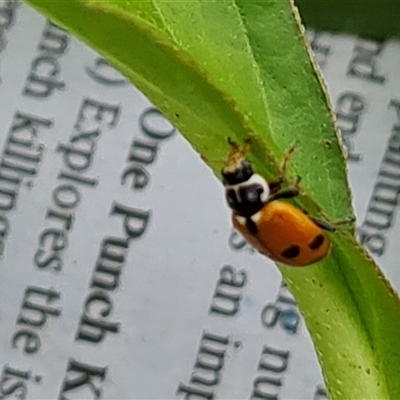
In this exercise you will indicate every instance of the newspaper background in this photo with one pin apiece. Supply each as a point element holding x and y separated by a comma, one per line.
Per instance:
<point>157,319</point>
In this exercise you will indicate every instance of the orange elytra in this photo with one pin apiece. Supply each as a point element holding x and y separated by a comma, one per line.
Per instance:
<point>274,227</point>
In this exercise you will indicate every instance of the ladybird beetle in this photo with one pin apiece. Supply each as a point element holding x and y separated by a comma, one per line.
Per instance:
<point>275,228</point>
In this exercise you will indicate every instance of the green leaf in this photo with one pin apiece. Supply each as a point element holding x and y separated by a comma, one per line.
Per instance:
<point>241,69</point>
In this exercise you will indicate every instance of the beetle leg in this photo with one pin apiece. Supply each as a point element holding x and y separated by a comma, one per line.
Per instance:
<point>288,193</point>
<point>326,226</point>
<point>330,227</point>
<point>286,160</point>
<point>275,185</point>
<point>284,194</point>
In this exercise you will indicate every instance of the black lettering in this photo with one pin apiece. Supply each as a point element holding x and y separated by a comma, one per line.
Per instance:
<point>25,128</point>
<point>386,194</point>
<point>102,72</point>
<point>78,153</point>
<point>4,226</point>
<point>48,260</point>
<point>262,384</point>
<point>20,157</point>
<point>23,156</point>
<point>11,178</point>
<point>378,217</point>
<point>93,325</point>
<point>46,64</point>
<point>66,219</point>
<point>236,241</point>
<point>135,221</point>
<point>22,169</point>
<point>139,176</point>
<point>320,393</point>
<point>281,360</point>
<point>109,266</point>
<point>75,178</point>
<point>114,249</point>
<point>12,384</point>
<point>285,296</point>
<point>54,40</point>
<point>364,64</point>
<point>226,299</point>
<point>384,199</point>
<point>209,363</point>
<point>7,14</point>
<point>53,238</point>
<point>36,306</point>
<point>29,339</point>
<point>52,242</point>
<point>232,278</point>
<point>321,50</point>
<point>143,153</point>
<point>348,126</point>
<point>66,196</point>
<point>41,83</point>
<point>82,380</point>
<point>225,304</point>
<point>94,112</point>
<point>349,108</point>
<point>396,105</point>
<point>272,313</point>
<point>8,199</point>
<point>190,391</point>
<point>210,358</point>
<point>154,124</point>
<point>374,242</point>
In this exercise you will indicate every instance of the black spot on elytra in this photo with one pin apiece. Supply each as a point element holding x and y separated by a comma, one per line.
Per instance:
<point>291,252</point>
<point>317,242</point>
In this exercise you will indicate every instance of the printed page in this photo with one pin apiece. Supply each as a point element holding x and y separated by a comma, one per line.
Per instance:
<point>121,275</point>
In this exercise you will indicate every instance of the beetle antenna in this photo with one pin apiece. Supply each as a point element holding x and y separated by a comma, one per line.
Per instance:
<point>236,154</point>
